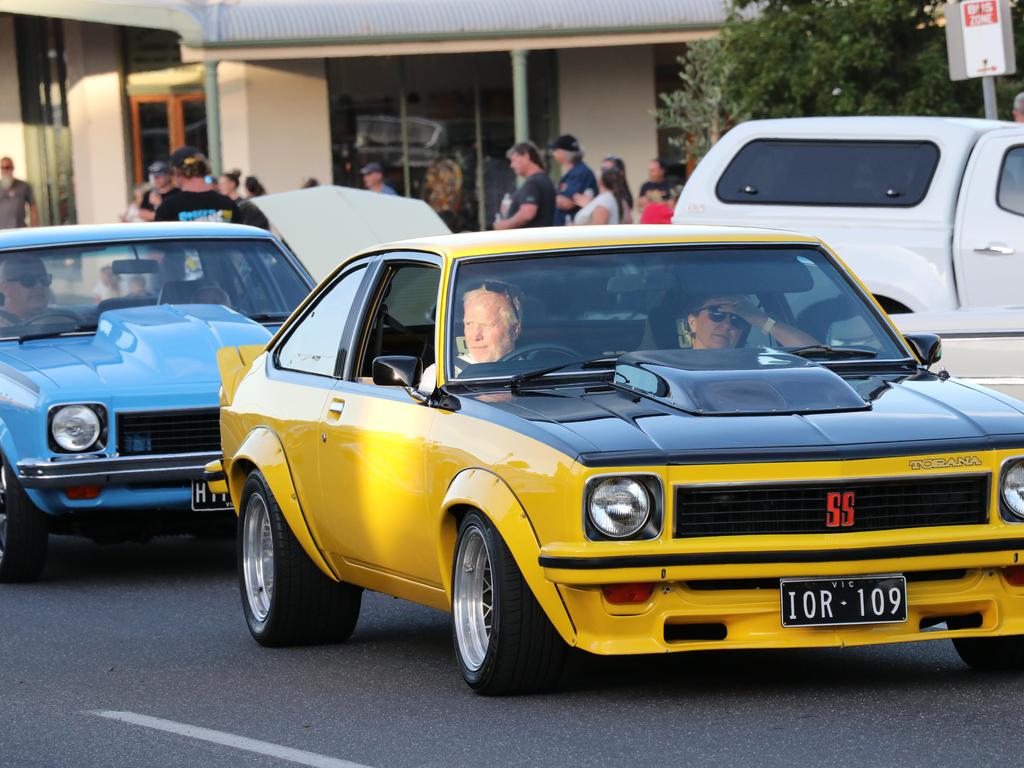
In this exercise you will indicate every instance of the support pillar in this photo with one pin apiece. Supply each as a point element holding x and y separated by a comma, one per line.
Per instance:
<point>212,116</point>
<point>520,95</point>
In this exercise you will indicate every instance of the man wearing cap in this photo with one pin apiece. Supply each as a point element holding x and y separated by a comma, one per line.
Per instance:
<point>162,187</point>
<point>197,200</point>
<point>577,178</point>
<point>373,179</point>
<point>15,198</point>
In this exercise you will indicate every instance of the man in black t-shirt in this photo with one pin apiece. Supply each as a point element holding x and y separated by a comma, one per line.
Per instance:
<point>658,187</point>
<point>533,204</point>
<point>161,186</point>
<point>197,200</point>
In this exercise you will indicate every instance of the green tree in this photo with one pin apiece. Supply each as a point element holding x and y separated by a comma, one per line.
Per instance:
<point>698,110</point>
<point>847,57</point>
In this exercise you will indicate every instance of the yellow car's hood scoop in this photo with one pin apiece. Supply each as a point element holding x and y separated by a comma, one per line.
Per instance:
<point>736,382</point>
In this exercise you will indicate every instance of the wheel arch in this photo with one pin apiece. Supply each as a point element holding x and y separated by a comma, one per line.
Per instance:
<point>262,450</point>
<point>485,492</point>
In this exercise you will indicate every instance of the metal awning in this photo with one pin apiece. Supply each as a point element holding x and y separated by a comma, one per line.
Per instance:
<point>256,29</point>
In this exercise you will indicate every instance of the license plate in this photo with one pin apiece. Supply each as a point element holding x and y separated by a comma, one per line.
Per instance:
<point>847,600</point>
<point>205,500</point>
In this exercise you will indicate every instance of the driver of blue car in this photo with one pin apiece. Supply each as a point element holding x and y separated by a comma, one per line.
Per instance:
<point>25,285</point>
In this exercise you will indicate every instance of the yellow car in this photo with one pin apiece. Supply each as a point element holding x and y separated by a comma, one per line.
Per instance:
<point>623,440</point>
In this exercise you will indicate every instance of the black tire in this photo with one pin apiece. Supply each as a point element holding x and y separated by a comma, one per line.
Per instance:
<point>300,605</point>
<point>23,531</point>
<point>992,654</point>
<point>524,653</point>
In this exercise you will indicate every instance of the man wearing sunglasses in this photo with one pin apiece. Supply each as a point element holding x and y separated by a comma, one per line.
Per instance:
<point>723,322</point>
<point>25,285</point>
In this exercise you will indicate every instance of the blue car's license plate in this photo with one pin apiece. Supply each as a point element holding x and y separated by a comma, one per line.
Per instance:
<point>205,500</point>
<point>844,600</point>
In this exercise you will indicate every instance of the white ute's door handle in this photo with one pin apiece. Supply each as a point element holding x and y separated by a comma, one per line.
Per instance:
<point>995,249</point>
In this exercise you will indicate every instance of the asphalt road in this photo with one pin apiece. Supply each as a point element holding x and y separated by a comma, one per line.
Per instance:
<point>137,655</point>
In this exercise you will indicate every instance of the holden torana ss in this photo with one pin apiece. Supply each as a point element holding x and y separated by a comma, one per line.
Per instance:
<point>623,440</point>
<point>108,374</point>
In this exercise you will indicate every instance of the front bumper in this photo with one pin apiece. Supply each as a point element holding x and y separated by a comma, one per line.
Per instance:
<point>956,589</point>
<point>46,474</point>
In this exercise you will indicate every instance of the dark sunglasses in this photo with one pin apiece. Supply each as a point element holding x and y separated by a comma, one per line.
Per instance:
<point>6,167</point>
<point>31,281</point>
<point>716,315</point>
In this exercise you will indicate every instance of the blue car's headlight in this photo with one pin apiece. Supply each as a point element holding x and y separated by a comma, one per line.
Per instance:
<point>75,428</point>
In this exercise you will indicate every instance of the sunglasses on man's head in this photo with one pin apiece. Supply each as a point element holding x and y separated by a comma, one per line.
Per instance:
<point>31,281</point>
<point>496,286</point>
<point>718,315</point>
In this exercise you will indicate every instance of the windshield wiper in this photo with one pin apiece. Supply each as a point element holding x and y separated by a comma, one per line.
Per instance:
<point>540,373</point>
<point>831,353</point>
<point>57,334</point>
<point>269,317</point>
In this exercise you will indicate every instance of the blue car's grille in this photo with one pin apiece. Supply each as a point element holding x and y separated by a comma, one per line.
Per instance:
<point>193,431</point>
<point>871,505</point>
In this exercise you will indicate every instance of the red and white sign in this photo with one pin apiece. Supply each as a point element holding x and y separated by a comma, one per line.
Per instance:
<point>983,38</point>
<point>978,14</point>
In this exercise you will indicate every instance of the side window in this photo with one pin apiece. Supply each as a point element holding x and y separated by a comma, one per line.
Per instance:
<point>1011,182</point>
<point>313,346</point>
<point>403,317</point>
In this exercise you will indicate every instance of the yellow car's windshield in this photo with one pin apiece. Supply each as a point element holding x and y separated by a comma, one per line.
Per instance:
<point>521,314</point>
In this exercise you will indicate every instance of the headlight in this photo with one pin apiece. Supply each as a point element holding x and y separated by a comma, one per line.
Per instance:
<point>1013,488</point>
<point>619,507</point>
<point>75,428</point>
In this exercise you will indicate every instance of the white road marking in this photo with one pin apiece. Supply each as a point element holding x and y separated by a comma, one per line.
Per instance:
<point>228,740</point>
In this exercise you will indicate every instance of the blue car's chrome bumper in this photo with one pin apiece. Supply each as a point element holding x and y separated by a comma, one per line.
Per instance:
<point>122,470</point>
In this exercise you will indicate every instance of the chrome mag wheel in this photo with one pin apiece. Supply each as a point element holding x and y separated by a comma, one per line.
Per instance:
<point>258,557</point>
<point>473,598</point>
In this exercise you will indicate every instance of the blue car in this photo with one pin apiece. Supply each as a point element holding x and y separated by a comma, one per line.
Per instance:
<point>108,374</point>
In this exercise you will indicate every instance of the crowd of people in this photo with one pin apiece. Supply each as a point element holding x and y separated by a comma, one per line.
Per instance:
<point>582,197</point>
<point>183,189</point>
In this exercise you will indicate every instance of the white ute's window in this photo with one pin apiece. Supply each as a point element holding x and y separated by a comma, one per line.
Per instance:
<point>889,174</point>
<point>1011,182</point>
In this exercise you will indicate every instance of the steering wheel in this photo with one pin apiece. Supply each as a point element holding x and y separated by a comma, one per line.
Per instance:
<point>10,319</point>
<point>533,351</point>
<point>52,313</point>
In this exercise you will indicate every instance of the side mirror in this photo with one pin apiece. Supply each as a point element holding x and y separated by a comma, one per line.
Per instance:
<point>397,370</point>
<point>927,347</point>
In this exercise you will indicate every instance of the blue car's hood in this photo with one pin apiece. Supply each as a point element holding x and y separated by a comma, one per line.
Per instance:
<point>139,347</point>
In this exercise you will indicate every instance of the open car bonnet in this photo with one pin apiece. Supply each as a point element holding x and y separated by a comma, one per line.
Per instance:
<point>324,225</point>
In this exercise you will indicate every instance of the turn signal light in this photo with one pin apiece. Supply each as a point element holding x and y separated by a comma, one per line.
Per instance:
<point>82,492</point>
<point>619,594</point>
<point>1014,575</point>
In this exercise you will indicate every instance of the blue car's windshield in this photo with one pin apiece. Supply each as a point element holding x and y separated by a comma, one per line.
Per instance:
<point>521,314</point>
<point>64,289</point>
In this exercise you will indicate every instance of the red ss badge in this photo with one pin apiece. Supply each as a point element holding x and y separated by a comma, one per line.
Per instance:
<point>839,509</point>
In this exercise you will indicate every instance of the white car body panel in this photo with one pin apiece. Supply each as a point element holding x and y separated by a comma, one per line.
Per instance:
<point>904,253</point>
<point>323,225</point>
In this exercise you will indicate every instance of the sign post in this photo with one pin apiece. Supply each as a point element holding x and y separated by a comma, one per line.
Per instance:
<point>979,42</point>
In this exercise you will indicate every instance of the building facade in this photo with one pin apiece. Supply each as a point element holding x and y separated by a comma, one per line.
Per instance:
<point>92,91</point>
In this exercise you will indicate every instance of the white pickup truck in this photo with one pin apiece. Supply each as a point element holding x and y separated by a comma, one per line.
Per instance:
<point>928,211</point>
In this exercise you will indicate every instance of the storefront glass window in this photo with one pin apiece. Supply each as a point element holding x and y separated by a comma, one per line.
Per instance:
<point>420,116</point>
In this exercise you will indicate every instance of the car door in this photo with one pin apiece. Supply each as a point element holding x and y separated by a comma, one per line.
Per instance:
<point>373,438</point>
<point>989,235</point>
<point>302,373</point>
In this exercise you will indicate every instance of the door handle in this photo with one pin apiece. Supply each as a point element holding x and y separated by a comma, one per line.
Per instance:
<point>995,249</point>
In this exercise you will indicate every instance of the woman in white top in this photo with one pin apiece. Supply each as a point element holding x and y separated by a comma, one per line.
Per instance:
<point>609,207</point>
